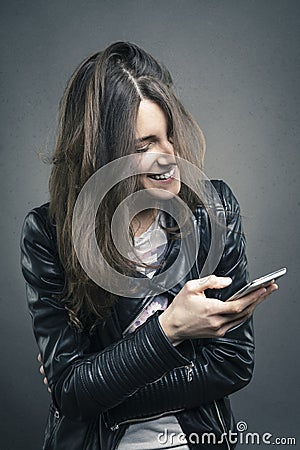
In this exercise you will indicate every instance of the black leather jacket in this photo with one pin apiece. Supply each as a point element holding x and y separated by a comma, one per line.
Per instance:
<point>101,381</point>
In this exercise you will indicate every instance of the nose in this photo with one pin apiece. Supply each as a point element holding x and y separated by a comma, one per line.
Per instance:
<point>159,156</point>
<point>167,147</point>
<point>166,153</point>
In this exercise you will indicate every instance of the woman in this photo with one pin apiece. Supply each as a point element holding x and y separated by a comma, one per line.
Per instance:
<point>153,369</point>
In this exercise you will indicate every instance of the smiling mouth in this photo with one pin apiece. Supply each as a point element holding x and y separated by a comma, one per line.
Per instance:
<point>163,176</point>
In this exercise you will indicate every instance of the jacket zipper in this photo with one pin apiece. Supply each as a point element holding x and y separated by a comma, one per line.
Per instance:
<point>199,241</point>
<point>143,419</point>
<point>222,424</point>
<point>189,369</point>
<point>138,315</point>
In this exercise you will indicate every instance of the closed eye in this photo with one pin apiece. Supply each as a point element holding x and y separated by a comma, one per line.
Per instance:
<point>144,148</point>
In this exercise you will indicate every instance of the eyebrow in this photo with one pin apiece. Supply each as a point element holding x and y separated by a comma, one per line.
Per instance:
<point>145,138</point>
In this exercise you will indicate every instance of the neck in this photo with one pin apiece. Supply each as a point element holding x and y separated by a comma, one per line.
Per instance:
<point>142,221</point>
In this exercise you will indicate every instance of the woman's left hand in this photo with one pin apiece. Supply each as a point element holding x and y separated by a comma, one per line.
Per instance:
<point>43,372</point>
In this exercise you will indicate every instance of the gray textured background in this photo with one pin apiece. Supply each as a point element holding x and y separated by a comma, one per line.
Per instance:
<point>236,68</point>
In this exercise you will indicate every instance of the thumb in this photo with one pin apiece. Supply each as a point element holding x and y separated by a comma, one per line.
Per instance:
<point>211,282</point>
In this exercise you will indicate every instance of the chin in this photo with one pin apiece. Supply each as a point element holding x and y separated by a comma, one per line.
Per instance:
<point>161,192</point>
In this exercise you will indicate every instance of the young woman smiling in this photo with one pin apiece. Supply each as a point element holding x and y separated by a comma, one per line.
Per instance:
<point>124,371</point>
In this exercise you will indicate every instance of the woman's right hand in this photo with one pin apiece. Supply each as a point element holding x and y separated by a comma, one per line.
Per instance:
<point>193,315</point>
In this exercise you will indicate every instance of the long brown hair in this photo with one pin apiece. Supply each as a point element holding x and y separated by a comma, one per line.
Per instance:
<point>97,120</point>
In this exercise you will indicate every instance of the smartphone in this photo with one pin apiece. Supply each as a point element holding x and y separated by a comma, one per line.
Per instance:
<point>258,283</point>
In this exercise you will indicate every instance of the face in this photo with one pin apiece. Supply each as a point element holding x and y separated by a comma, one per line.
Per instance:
<point>156,154</point>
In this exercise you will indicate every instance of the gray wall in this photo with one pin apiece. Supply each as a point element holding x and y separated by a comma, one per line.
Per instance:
<point>236,67</point>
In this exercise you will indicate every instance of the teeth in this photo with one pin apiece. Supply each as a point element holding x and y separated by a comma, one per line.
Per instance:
<point>163,176</point>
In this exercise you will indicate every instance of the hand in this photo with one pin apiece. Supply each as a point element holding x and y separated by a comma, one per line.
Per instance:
<point>43,372</point>
<point>193,315</point>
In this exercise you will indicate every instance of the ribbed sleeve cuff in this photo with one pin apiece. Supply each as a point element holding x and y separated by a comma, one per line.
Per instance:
<point>141,358</point>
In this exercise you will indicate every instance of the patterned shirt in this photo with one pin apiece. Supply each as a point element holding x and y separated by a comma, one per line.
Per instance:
<point>150,248</point>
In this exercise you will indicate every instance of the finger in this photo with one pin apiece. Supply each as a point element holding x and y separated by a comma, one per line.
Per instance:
<point>238,305</point>
<point>269,288</point>
<point>251,307</point>
<point>40,358</point>
<point>209,282</point>
<point>261,298</point>
<point>268,292</point>
<point>227,322</point>
<point>272,288</point>
<point>45,381</point>
<point>42,370</point>
<point>49,390</point>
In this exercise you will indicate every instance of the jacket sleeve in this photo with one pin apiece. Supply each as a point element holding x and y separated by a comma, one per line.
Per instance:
<point>218,366</point>
<point>84,383</point>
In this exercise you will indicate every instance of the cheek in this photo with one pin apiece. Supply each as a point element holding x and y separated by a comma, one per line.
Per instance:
<point>143,181</point>
<point>177,187</point>
<point>144,161</point>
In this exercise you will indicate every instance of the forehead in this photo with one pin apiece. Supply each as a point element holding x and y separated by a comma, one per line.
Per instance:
<point>151,119</point>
